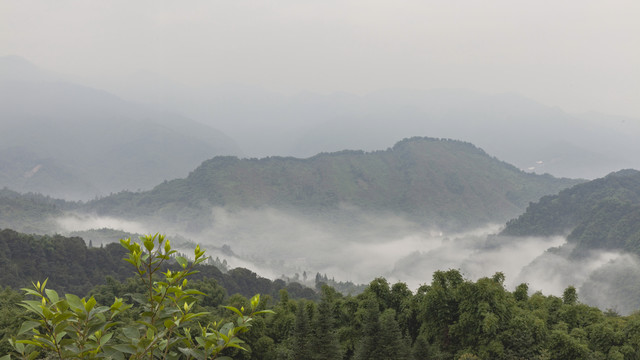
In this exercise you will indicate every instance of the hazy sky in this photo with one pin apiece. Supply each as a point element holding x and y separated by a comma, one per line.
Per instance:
<point>580,55</point>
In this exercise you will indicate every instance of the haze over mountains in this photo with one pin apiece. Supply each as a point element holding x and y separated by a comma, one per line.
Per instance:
<point>447,184</point>
<point>76,142</point>
<point>518,130</point>
<point>128,146</point>
<point>423,204</point>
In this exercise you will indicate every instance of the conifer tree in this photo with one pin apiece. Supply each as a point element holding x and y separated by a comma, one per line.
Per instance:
<point>325,344</point>
<point>367,346</point>
<point>302,334</point>
<point>391,344</point>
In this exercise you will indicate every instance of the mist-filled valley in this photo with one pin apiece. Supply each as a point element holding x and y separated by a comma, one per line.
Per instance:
<point>356,180</point>
<point>286,245</point>
<point>421,205</point>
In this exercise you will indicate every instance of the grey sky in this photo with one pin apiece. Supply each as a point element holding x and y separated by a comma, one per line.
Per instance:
<point>579,55</point>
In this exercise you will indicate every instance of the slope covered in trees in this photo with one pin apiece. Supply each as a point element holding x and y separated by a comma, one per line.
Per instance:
<point>600,214</point>
<point>451,318</point>
<point>435,181</point>
<point>73,267</point>
<point>30,213</point>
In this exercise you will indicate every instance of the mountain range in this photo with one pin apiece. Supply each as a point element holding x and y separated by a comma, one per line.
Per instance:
<point>75,142</point>
<point>66,139</point>
<point>440,182</point>
<point>534,137</point>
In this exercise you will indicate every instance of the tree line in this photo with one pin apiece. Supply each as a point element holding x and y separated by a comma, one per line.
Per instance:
<point>449,318</point>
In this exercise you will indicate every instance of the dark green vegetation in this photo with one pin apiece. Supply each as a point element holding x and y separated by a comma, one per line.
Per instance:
<point>30,213</point>
<point>73,267</point>
<point>436,182</point>
<point>451,318</point>
<point>600,214</point>
<point>159,325</point>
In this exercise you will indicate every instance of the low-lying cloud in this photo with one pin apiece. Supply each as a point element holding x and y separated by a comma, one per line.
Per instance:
<point>355,245</point>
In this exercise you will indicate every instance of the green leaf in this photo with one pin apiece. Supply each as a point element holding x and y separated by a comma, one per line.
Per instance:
<point>52,295</point>
<point>105,338</point>
<point>255,300</point>
<point>88,306</point>
<point>74,302</point>
<point>235,310</point>
<point>131,332</point>
<point>125,348</point>
<point>264,312</point>
<point>198,354</point>
<point>27,325</point>
<point>60,335</point>
<point>182,261</point>
<point>148,244</point>
<point>33,306</point>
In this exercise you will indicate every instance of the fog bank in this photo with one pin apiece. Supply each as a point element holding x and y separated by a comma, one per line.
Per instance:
<point>358,246</point>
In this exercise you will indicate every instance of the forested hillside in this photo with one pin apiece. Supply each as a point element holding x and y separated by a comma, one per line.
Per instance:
<point>30,213</point>
<point>600,214</point>
<point>435,181</point>
<point>451,318</point>
<point>73,267</point>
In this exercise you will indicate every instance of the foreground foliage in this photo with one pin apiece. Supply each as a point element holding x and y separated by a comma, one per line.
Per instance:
<point>163,325</point>
<point>449,319</point>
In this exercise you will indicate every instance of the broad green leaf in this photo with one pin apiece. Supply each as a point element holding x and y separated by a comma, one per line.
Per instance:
<point>88,306</point>
<point>75,302</point>
<point>52,294</point>
<point>60,335</point>
<point>105,338</point>
<point>131,332</point>
<point>182,261</point>
<point>148,244</point>
<point>235,310</point>
<point>124,348</point>
<point>27,325</point>
<point>32,305</point>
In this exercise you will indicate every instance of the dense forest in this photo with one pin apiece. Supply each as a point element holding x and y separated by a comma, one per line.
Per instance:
<point>600,214</point>
<point>448,183</point>
<point>450,318</point>
<point>30,213</point>
<point>72,266</point>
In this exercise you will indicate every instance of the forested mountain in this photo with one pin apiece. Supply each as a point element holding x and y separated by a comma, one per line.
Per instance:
<point>75,142</point>
<point>516,129</point>
<point>31,213</point>
<point>437,181</point>
<point>73,267</point>
<point>451,318</point>
<point>600,214</point>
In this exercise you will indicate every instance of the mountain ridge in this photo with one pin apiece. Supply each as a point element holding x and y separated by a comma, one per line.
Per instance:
<point>104,142</point>
<point>434,180</point>
<point>599,214</point>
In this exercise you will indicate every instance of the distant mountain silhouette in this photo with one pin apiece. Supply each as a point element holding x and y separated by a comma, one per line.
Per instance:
<point>76,142</point>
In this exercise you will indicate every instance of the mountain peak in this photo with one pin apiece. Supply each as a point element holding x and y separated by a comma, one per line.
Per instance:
<point>17,68</point>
